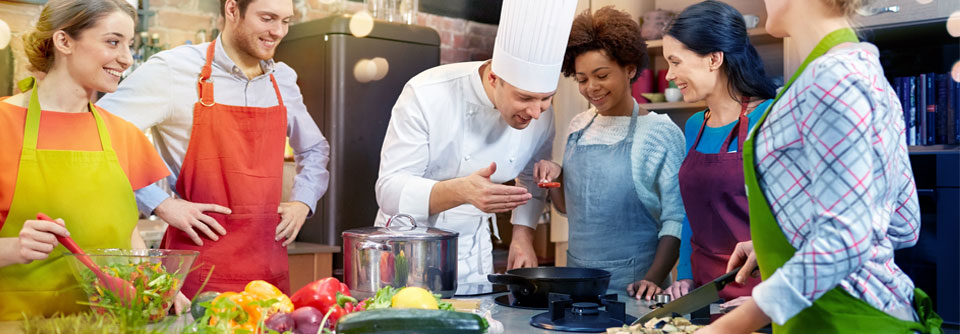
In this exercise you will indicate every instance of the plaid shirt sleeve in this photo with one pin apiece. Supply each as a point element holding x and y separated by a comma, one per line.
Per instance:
<point>837,134</point>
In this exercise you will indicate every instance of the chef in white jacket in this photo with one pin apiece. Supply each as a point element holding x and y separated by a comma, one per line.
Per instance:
<point>458,131</point>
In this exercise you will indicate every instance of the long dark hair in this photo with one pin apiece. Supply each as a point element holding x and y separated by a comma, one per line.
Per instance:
<point>713,26</point>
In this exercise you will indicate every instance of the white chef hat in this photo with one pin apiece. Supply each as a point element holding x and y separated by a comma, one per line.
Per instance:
<point>531,41</point>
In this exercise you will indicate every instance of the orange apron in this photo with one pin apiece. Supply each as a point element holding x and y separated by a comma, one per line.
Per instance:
<point>235,159</point>
<point>89,190</point>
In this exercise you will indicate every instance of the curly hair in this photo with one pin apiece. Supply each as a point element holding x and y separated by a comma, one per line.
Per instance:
<point>611,31</point>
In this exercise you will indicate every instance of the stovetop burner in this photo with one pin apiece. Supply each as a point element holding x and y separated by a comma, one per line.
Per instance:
<point>509,300</point>
<point>586,317</point>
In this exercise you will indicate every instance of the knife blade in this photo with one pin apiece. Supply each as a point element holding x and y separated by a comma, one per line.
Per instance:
<point>695,300</point>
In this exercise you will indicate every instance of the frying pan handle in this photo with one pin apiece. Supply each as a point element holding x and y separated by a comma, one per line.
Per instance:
<point>526,287</point>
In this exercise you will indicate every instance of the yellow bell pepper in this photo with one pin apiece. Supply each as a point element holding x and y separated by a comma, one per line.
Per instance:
<point>265,291</point>
<point>255,291</point>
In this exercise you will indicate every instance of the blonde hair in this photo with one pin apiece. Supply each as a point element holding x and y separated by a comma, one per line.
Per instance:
<point>849,8</point>
<point>71,16</point>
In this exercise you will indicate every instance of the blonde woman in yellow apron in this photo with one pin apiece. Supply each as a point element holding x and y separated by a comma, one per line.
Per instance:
<point>70,159</point>
<point>830,189</point>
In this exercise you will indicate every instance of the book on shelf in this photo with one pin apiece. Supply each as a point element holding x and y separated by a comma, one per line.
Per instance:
<point>931,108</point>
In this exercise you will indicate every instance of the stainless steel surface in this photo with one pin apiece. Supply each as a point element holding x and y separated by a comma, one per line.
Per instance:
<point>353,115</point>
<point>517,320</point>
<point>399,256</point>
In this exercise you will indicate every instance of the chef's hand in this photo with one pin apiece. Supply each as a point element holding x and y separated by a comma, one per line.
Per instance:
<point>489,197</point>
<point>187,216</point>
<point>679,288</point>
<point>743,254</point>
<point>643,289</point>
<point>521,253</point>
<point>37,239</point>
<point>546,171</point>
<point>181,304</point>
<point>292,216</point>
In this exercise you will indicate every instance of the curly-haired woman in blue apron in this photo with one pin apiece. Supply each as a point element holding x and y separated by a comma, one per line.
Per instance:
<point>620,166</point>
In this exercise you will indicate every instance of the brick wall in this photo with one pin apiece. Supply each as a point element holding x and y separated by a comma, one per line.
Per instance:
<point>177,21</point>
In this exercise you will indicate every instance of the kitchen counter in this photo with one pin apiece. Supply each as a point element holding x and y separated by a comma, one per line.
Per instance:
<point>515,320</point>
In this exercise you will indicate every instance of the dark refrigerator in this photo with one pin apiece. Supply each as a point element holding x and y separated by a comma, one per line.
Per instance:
<point>353,115</point>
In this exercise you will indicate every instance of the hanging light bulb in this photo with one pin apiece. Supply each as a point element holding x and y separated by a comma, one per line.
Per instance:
<point>361,24</point>
<point>382,67</point>
<point>365,70</point>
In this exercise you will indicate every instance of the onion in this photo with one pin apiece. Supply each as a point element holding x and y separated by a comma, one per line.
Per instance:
<point>280,321</point>
<point>307,320</point>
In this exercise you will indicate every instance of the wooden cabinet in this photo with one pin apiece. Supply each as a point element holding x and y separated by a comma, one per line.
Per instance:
<point>904,11</point>
<point>309,262</point>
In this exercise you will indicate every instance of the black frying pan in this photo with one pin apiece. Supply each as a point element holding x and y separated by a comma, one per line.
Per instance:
<point>531,286</point>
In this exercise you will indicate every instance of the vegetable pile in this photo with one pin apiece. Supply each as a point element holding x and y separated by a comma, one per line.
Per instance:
<point>154,285</point>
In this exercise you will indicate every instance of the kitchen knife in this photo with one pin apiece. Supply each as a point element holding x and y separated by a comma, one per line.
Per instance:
<point>692,301</point>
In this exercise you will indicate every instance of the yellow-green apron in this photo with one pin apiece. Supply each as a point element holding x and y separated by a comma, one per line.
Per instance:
<point>92,194</point>
<point>836,311</point>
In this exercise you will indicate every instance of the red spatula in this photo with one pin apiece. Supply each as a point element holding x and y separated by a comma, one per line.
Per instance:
<point>122,288</point>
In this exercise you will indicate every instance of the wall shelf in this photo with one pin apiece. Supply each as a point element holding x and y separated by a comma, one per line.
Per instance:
<point>674,106</point>
<point>934,149</point>
<point>758,36</point>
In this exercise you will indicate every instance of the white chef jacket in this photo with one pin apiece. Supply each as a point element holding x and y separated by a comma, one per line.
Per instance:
<point>444,126</point>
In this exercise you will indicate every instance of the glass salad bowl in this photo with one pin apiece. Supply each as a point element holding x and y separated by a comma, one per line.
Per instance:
<point>156,274</point>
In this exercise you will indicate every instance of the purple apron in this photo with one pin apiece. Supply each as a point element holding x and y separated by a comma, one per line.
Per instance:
<point>715,199</point>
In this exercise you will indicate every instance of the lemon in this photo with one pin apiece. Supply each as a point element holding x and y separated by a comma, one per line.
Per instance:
<point>414,297</point>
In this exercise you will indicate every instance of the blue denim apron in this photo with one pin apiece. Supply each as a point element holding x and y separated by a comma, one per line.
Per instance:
<point>610,228</point>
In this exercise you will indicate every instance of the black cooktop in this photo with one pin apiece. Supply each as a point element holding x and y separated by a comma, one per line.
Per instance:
<point>567,315</point>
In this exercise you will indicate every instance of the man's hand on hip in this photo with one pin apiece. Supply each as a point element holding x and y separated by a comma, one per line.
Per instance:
<point>188,216</point>
<point>292,216</point>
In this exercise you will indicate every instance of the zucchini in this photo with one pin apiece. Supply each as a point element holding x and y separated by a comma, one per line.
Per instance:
<point>397,321</point>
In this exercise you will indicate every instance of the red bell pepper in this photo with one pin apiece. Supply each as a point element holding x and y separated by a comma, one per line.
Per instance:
<point>326,294</point>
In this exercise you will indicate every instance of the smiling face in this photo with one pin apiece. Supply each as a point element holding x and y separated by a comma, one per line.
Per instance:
<point>101,53</point>
<point>261,27</point>
<point>517,106</point>
<point>604,82</point>
<point>697,76</point>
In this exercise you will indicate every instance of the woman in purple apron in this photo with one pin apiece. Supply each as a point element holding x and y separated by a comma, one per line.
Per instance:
<point>710,59</point>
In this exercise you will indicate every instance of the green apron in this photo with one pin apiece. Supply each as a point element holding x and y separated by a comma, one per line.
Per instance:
<point>836,311</point>
<point>92,194</point>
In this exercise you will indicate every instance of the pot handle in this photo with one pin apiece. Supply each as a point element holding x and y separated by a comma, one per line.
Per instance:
<point>367,245</point>
<point>526,286</point>
<point>413,222</point>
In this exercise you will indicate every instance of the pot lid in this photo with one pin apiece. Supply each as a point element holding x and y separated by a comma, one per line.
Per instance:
<point>398,230</point>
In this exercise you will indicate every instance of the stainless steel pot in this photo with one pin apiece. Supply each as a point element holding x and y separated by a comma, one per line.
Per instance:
<point>399,256</point>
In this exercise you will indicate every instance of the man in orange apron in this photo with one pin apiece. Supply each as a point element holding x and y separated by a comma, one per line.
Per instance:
<point>223,136</point>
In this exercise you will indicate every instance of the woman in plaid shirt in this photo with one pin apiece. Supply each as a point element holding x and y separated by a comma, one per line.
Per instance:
<point>831,190</point>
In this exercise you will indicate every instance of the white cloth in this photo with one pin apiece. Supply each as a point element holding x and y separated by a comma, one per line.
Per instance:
<point>531,40</point>
<point>655,158</point>
<point>443,126</point>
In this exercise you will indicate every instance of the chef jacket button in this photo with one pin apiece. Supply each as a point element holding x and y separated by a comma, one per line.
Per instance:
<point>466,157</point>
<point>511,159</point>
